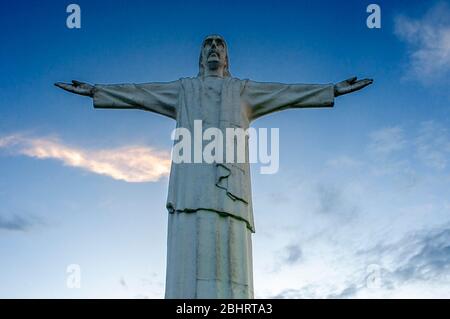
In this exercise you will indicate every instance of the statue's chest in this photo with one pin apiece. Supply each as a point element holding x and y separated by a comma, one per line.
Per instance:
<point>212,94</point>
<point>219,109</point>
<point>215,102</point>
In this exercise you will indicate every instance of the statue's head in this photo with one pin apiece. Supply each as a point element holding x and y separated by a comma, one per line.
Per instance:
<point>214,55</point>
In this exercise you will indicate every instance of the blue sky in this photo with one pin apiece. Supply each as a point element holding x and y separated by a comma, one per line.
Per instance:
<point>359,208</point>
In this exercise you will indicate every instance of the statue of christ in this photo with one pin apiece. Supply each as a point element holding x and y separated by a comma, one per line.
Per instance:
<point>209,247</point>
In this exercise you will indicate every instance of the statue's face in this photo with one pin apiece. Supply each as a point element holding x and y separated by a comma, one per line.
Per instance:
<point>214,53</point>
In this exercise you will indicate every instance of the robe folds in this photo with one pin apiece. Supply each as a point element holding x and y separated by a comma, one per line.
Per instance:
<point>211,203</point>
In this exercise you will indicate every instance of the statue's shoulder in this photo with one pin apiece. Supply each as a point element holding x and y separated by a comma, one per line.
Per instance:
<point>185,79</point>
<point>236,79</point>
<point>189,82</point>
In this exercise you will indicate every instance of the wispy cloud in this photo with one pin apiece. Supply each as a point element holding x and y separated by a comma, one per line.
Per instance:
<point>393,149</point>
<point>396,243</point>
<point>336,202</point>
<point>123,283</point>
<point>293,254</point>
<point>433,144</point>
<point>414,266</point>
<point>428,40</point>
<point>420,255</point>
<point>386,141</point>
<point>388,152</point>
<point>314,292</point>
<point>16,222</point>
<point>142,288</point>
<point>418,261</point>
<point>130,164</point>
<point>329,199</point>
<point>344,161</point>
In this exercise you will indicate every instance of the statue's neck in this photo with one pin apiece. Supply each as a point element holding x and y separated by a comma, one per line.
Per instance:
<point>219,72</point>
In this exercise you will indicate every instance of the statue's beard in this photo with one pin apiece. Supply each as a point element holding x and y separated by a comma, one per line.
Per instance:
<point>213,65</point>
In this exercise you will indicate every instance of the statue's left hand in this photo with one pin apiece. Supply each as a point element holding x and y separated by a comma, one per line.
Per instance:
<point>77,87</point>
<point>350,85</point>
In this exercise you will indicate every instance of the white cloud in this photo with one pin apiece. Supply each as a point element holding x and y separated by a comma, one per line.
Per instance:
<point>428,40</point>
<point>344,161</point>
<point>130,164</point>
<point>387,140</point>
<point>416,266</point>
<point>15,222</point>
<point>433,145</point>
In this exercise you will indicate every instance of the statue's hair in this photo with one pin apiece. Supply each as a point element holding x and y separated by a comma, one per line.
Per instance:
<point>226,72</point>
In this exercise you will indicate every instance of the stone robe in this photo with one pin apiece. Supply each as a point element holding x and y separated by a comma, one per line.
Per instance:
<point>210,205</point>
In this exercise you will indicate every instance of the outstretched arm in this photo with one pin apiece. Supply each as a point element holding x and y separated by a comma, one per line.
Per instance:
<point>161,98</point>
<point>265,98</point>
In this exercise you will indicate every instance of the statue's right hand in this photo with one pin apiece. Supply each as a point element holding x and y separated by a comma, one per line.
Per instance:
<point>77,87</point>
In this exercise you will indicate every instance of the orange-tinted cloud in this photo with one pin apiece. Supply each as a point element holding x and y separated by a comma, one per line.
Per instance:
<point>130,164</point>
